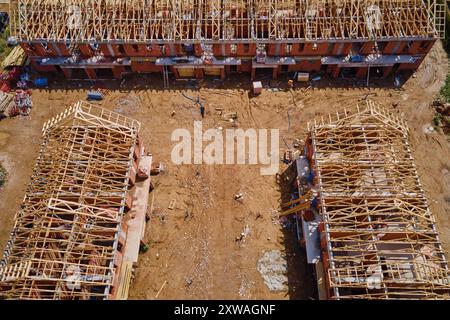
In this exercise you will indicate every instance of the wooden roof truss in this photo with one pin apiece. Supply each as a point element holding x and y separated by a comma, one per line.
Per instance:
<point>380,234</point>
<point>224,20</point>
<point>65,236</point>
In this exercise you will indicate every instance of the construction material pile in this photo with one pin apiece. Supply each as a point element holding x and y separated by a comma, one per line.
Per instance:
<point>23,102</point>
<point>6,103</point>
<point>17,58</point>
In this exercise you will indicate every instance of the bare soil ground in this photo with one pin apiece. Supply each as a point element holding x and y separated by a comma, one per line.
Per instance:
<point>196,253</point>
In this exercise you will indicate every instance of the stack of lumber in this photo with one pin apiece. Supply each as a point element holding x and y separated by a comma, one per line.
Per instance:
<point>17,58</point>
<point>6,100</point>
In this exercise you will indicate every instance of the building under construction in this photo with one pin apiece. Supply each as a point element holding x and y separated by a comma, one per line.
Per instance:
<point>369,230</point>
<point>196,38</point>
<point>72,238</point>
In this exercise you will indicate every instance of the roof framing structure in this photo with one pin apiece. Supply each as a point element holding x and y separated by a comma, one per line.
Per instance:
<point>65,236</point>
<point>379,234</point>
<point>147,21</point>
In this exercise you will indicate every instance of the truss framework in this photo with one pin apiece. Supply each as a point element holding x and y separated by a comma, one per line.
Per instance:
<point>65,236</point>
<point>379,233</point>
<point>224,20</point>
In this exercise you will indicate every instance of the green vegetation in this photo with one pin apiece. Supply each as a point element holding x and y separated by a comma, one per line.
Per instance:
<point>437,119</point>
<point>445,90</point>
<point>446,41</point>
<point>144,248</point>
<point>4,48</point>
<point>3,175</point>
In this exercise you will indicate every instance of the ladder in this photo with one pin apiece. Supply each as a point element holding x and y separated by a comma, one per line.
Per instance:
<point>439,18</point>
<point>166,77</point>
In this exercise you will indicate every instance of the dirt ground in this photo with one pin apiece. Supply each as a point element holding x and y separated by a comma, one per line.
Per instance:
<point>196,253</point>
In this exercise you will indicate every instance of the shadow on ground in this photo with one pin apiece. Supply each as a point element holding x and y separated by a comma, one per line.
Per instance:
<point>141,82</point>
<point>301,278</point>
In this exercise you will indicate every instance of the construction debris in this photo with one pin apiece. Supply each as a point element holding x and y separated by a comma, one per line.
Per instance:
<point>94,95</point>
<point>244,234</point>
<point>40,82</point>
<point>302,76</point>
<point>172,204</point>
<point>143,172</point>
<point>230,116</point>
<point>239,197</point>
<point>273,268</point>
<point>158,169</point>
<point>23,101</point>
<point>160,289</point>
<point>257,87</point>
<point>290,155</point>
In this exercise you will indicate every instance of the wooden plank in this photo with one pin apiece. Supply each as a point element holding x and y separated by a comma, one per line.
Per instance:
<point>126,272</point>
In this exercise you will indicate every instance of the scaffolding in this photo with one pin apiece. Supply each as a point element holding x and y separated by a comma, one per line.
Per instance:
<point>193,21</point>
<point>65,238</point>
<point>378,237</point>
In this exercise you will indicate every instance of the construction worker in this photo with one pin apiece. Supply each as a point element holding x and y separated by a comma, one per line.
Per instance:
<point>202,110</point>
<point>290,84</point>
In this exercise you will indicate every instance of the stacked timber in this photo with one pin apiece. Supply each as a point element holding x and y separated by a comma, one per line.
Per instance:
<point>17,58</point>
<point>6,102</point>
